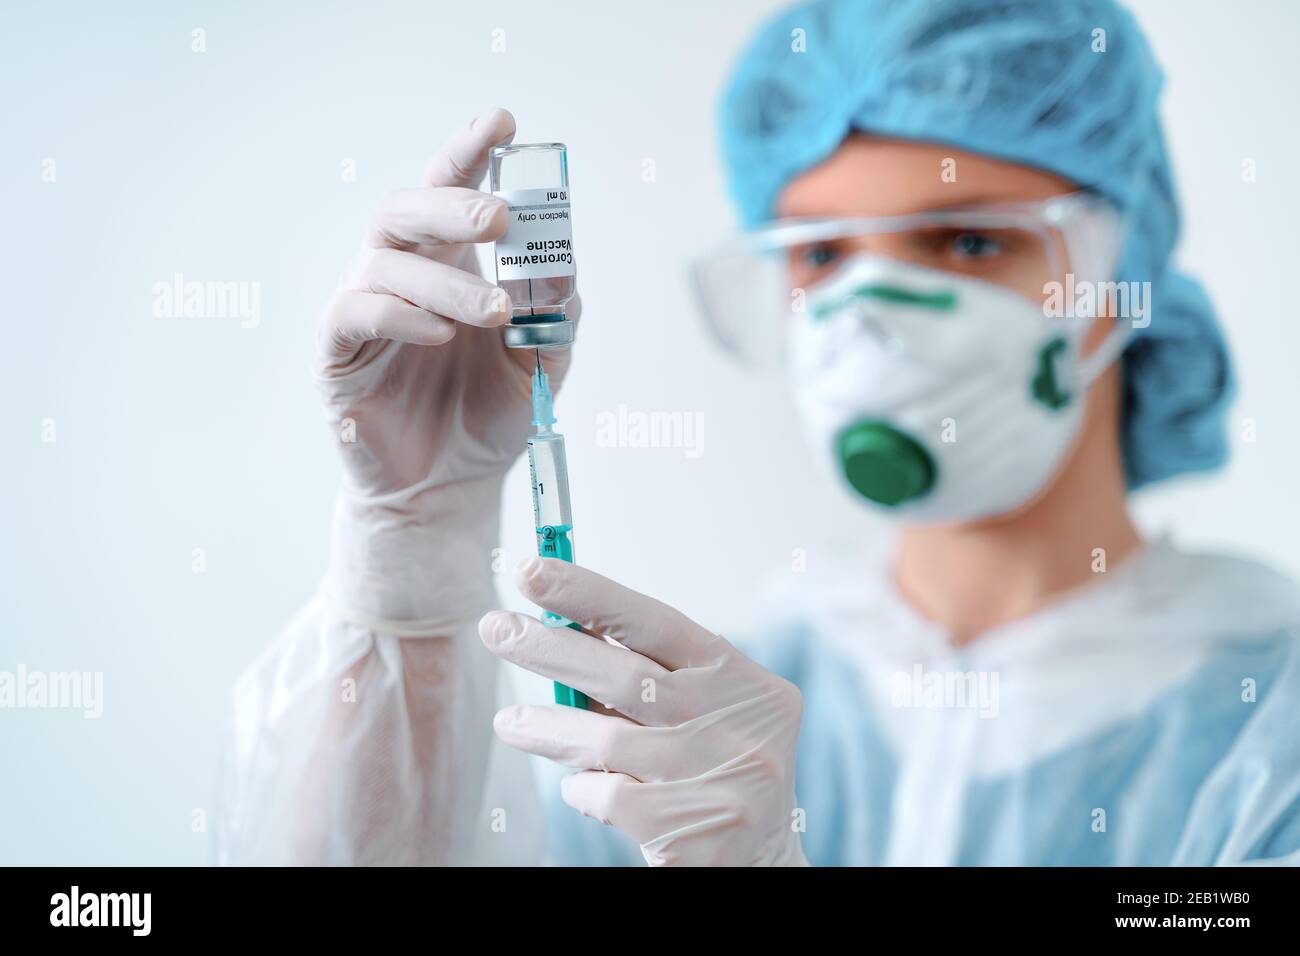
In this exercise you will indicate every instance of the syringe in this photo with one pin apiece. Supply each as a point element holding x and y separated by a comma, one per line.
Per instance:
<point>552,516</point>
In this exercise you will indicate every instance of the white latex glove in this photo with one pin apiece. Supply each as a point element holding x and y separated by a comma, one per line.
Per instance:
<point>694,756</point>
<point>428,405</point>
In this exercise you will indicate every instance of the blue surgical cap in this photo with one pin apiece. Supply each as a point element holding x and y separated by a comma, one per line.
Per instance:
<point>1069,87</point>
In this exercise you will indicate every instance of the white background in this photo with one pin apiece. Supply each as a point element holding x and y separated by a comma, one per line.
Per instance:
<point>181,434</point>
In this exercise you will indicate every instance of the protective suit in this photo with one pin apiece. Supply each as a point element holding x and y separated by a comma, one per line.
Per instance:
<point>1145,720</point>
<point>1148,719</point>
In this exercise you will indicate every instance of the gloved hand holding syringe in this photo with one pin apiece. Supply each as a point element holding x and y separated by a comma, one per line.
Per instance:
<point>675,773</point>
<point>534,264</point>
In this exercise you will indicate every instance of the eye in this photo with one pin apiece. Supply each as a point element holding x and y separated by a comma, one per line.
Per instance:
<point>817,256</point>
<point>975,245</point>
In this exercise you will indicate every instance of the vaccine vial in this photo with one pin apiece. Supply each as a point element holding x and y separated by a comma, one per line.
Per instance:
<point>534,259</point>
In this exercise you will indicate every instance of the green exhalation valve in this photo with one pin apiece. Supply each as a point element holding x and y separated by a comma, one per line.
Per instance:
<point>883,464</point>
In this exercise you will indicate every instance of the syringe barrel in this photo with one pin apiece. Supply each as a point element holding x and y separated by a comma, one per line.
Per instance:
<point>549,472</point>
<point>553,523</point>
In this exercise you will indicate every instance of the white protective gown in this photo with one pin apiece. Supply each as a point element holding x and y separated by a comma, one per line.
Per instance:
<point>1150,718</point>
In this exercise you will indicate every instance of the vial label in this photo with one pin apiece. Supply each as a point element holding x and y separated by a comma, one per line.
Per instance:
<point>538,243</point>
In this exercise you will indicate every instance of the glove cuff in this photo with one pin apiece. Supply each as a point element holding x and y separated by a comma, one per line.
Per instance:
<point>415,564</point>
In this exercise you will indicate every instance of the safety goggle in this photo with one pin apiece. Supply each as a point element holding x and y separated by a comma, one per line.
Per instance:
<point>748,288</point>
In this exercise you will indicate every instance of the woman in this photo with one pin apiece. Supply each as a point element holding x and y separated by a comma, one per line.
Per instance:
<point>950,199</point>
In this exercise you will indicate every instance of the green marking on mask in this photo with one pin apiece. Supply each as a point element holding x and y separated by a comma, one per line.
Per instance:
<point>1044,387</point>
<point>937,301</point>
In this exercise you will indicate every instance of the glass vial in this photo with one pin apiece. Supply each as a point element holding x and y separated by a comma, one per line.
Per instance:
<point>534,259</point>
